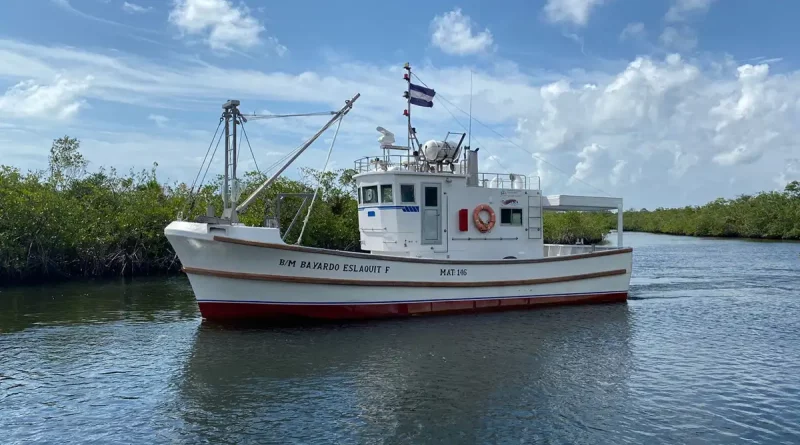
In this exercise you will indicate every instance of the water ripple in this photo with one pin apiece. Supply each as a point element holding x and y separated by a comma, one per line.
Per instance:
<point>706,351</point>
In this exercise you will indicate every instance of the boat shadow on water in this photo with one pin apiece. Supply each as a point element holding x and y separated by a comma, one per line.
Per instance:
<point>477,375</point>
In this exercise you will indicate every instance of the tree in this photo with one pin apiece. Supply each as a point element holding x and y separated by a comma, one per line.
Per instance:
<point>793,189</point>
<point>66,162</point>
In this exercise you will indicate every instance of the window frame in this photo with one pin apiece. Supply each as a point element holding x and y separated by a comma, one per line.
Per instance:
<point>511,212</point>
<point>413,191</point>
<point>377,197</point>
<point>381,188</point>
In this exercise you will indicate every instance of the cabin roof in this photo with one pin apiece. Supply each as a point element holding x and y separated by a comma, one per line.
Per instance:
<point>581,203</point>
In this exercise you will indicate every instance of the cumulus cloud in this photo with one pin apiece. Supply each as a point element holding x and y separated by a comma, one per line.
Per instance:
<point>61,99</point>
<point>677,128</point>
<point>453,33</point>
<point>223,25</point>
<point>682,9</point>
<point>576,12</point>
<point>588,156</point>
<point>666,118</point>
<point>133,8</point>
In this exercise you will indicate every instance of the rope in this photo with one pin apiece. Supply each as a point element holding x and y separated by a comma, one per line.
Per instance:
<point>251,147</point>
<point>192,192</point>
<point>319,185</point>
<point>206,157</point>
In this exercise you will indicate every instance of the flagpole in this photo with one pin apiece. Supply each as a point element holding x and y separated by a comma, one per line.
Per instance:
<point>408,102</point>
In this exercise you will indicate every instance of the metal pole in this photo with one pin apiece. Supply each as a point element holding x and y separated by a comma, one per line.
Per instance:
<point>619,226</point>
<point>469,142</point>
<point>225,200</point>
<point>235,156</point>
<point>408,105</point>
<point>340,114</point>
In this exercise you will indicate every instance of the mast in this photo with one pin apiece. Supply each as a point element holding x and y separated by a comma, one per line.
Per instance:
<point>230,113</point>
<point>407,77</point>
<point>339,115</point>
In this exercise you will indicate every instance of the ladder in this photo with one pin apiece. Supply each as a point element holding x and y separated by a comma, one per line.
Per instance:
<point>534,214</point>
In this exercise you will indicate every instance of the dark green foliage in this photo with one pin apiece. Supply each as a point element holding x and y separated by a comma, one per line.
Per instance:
<point>569,227</point>
<point>64,222</point>
<point>767,215</point>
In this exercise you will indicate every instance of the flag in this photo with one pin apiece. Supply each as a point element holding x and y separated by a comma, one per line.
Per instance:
<point>421,96</point>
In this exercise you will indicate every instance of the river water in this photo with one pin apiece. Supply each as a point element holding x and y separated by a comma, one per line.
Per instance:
<point>706,351</point>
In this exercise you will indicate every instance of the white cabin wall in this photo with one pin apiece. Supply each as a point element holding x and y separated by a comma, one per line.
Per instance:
<point>395,228</point>
<point>514,240</point>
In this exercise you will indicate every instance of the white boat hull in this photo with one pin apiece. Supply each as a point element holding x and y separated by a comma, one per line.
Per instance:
<point>240,272</point>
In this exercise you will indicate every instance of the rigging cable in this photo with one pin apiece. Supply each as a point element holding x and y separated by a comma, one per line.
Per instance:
<point>192,192</point>
<point>514,143</point>
<point>319,185</point>
<point>206,157</point>
<point>470,135</point>
<point>251,147</point>
<point>210,161</point>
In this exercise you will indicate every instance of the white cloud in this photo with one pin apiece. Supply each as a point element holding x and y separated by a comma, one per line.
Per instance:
<point>681,39</point>
<point>133,8</point>
<point>60,100</point>
<point>65,4</point>
<point>677,128</point>
<point>791,172</point>
<point>617,172</point>
<point>633,31</point>
<point>681,9</point>
<point>588,155</point>
<point>452,33</point>
<point>160,121</point>
<point>571,11</point>
<point>223,25</point>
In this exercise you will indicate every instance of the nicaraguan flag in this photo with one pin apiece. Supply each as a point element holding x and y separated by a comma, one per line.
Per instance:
<point>421,96</point>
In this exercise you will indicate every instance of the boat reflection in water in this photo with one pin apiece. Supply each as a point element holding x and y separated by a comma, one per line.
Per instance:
<point>460,378</point>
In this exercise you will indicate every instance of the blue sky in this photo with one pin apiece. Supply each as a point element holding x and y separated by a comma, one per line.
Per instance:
<point>662,102</point>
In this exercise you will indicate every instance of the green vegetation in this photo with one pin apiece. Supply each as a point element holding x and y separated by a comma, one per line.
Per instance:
<point>767,215</point>
<point>68,222</point>
<point>569,227</point>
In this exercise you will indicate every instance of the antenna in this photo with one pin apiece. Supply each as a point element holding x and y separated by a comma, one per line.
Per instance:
<point>469,141</point>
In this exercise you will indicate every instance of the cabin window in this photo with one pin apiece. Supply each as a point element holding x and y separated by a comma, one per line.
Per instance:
<point>370,194</point>
<point>431,196</point>
<point>359,195</point>
<point>407,193</point>
<point>511,217</point>
<point>386,193</point>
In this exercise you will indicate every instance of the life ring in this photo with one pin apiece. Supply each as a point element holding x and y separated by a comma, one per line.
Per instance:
<point>482,226</point>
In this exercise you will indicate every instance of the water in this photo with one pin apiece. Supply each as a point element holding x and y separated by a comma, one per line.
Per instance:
<point>706,351</point>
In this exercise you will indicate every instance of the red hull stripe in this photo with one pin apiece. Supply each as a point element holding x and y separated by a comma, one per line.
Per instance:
<point>250,310</point>
<point>346,282</point>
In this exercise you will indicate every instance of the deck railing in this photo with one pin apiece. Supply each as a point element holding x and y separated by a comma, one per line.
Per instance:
<point>573,249</point>
<point>409,163</point>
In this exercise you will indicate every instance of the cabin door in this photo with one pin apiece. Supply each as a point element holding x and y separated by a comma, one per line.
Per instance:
<point>431,214</point>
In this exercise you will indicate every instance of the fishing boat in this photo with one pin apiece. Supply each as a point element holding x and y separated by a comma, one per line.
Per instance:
<point>437,236</point>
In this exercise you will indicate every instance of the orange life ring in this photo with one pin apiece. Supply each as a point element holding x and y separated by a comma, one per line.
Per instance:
<point>482,226</point>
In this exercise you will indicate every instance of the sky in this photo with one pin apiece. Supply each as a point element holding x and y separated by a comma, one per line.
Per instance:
<point>665,103</point>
